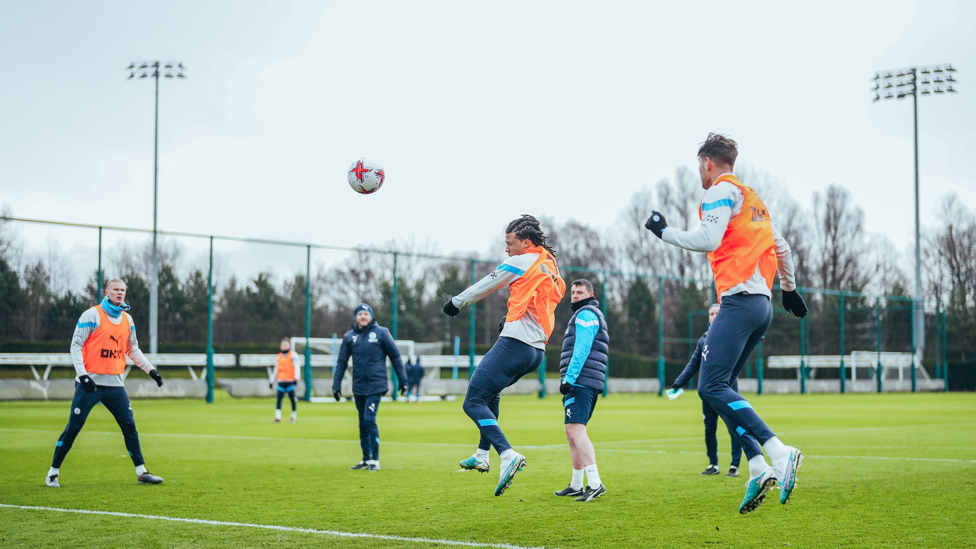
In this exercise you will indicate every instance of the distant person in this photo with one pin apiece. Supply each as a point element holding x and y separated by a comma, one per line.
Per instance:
<point>368,344</point>
<point>745,251</point>
<point>533,279</point>
<point>415,374</point>
<point>709,415</point>
<point>287,372</point>
<point>104,336</point>
<point>583,369</point>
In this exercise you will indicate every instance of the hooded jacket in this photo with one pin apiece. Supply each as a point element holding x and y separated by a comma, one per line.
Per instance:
<point>368,347</point>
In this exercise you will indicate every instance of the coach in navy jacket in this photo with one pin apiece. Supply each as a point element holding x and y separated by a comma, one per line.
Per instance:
<point>368,344</point>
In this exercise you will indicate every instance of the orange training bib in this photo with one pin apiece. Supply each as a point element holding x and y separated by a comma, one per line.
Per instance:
<point>105,350</point>
<point>540,288</point>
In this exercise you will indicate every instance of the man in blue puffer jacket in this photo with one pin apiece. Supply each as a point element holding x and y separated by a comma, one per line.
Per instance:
<point>583,367</point>
<point>368,344</point>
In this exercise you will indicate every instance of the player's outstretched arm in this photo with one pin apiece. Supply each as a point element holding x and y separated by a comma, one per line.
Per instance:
<point>717,207</point>
<point>503,275</point>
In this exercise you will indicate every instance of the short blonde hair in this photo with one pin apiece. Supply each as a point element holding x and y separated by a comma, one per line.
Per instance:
<point>109,283</point>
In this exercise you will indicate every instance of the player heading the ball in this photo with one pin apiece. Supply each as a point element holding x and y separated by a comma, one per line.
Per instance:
<point>533,278</point>
<point>745,251</point>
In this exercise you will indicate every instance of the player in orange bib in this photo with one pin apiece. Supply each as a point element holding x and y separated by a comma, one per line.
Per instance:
<point>104,336</point>
<point>287,373</point>
<point>533,278</point>
<point>746,251</point>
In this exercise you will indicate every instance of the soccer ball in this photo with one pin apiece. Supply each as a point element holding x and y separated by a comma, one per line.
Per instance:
<point>365,176</point>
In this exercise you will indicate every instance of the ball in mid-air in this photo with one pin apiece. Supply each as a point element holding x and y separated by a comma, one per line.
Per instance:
<point>365,176</point>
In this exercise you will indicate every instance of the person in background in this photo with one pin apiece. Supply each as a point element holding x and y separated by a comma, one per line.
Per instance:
<point>415,374</point>
<point>287,372</point>
<point>368,344</point>
<point>709,415</point>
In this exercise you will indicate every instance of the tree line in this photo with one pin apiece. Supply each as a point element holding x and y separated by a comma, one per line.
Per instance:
<point>831,249</point>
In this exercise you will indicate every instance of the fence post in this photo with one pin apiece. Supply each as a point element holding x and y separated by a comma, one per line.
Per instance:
<point>308,323</point>
<point>210,350</point>
<point>945,360</point>
<point>98,295</point>
<point>471,315</point>
<point>393,325</point>
<point>912,368</point>
<point>759,368</point>
<point>938,355</point>
<point>603,309</point>
<point>542,377</point>
<point>803,373</point>
<point>660,336</point>
<point>879,371</point>
<point>454,371</point>
<point>843,374</point>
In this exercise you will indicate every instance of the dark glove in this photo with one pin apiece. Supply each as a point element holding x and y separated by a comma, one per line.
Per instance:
<point>403,390</point>
<point>793,303</point>
<point>156,377</point>
<point>87,384</point>
<point>674,387</point>
<point>450,310</point>
<point>501,324</point>
<point>565,388</point>
<point>656,223</point>
<point>337,395</point>
<point>271,386</point>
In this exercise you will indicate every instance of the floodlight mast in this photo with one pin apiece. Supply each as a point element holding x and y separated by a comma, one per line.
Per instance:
<point>165,69</point>
<point>908,84</point>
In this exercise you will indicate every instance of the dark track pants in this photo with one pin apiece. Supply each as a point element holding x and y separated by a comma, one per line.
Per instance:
<point>506,362</point>
<point>710,417</point>
<point>116,400</point>
<point>369,433</point>
<point>287,387</point>
<point>741,323</point>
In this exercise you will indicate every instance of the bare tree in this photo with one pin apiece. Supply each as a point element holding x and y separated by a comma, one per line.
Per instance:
<point>840,240</point>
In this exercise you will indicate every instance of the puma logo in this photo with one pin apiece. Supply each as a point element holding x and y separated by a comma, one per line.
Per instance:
<point>705,353</point>
<point>113,339</point>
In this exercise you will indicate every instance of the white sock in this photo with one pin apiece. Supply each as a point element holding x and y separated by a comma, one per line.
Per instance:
<point>277,414</point>
<point>372,462</point>
<point>757,466</point>
<point>294,414</point>
<point>507,455</point>
<point>778,452</point>
<point>577,483</point>
<point>481,455</point>
<point>52,471</point>
<point>140,469</point>
<point>592,476</point>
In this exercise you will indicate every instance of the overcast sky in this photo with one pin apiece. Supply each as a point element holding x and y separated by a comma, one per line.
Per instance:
<point>479,112</point>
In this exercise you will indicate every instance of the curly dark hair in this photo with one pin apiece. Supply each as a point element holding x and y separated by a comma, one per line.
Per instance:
<point>719,147</point>
<point>529,228</point>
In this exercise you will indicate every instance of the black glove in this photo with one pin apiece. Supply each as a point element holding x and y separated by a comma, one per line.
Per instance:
<point>565,388</point>
<point>87,384</point>
<point>656,223</point>
<point>271,386</point>
<point>403,390</point>
<point>337,395</point>
<point>501,324</point>
<point>793,303</point>
<point>674,387</point>
<point>450,310</point>
<point>156,377</point>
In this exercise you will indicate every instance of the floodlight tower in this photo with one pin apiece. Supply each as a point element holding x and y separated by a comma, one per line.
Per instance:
<point>899,84</point>
<point>166,69</point>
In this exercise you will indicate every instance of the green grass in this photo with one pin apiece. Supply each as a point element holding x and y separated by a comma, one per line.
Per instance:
<point>241,467</point>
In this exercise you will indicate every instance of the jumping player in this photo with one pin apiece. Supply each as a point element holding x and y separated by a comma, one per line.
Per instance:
<point>287,373</point>
<point>104,336</point>
<point>709,416</point>
<point>536,287</point>
<point>745,251</point>
<point>583,368</point>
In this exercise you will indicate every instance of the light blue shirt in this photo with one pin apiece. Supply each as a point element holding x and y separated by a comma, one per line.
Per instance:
<point>587,326</point>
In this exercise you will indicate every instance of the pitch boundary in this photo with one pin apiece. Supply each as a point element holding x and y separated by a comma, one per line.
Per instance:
<point>333,533</point>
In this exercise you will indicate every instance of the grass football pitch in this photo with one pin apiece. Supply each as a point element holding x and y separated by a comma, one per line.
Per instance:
<point>879,471</point>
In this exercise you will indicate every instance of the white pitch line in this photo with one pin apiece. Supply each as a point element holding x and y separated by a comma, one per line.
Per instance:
<point>273,527</point>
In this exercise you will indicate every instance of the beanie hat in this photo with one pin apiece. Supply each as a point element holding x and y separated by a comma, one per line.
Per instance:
<point>363,307</point>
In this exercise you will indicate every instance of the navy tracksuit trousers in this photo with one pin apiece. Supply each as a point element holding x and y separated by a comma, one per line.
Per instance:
<point>741,323</point>
<point>287,387</point>
<point>369,432</point>
<point>116,400</point>
<point>710,416</point>
<point>506,362</point>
